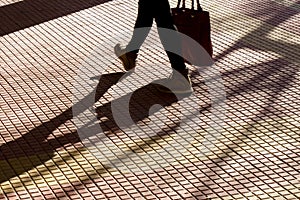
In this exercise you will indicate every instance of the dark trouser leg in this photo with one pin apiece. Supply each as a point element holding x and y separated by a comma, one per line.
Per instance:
<point>144,20</point>
<point>164,19</point>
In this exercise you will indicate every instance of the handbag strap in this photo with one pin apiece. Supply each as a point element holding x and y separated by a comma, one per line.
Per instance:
<point>183,4</point>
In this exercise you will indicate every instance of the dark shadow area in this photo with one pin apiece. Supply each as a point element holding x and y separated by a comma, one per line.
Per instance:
<point>140,103</point>
<point>27,13</point>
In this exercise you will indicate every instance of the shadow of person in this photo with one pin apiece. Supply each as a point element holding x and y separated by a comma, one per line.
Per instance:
<point>136,106</point>
<point>34,147</point>
<point>16,156</point>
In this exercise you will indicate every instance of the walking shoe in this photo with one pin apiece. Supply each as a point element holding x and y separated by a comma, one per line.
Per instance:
<point>128,58</point>
<point>179,82</point>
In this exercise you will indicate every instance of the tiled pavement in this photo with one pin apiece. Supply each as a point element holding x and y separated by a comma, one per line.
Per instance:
<point>50,49</point>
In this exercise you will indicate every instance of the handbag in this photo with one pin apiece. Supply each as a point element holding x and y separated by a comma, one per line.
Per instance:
<point>194,23</point>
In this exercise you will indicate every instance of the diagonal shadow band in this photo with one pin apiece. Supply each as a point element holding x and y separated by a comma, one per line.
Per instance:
<point>27,13</point>
<point>265,43</point>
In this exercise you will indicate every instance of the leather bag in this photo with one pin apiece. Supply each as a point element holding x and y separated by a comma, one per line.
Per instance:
<point>194,23</point>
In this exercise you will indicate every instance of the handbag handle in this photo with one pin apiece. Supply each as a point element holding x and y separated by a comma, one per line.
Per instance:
<point>183,4</point>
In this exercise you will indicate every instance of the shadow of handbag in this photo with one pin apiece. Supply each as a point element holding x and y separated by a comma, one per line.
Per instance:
<point>194,23</point>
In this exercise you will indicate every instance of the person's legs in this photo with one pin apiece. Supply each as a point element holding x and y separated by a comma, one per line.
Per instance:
<point>142,26</point>
<point>164,19</point>
<point>179,81</point>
